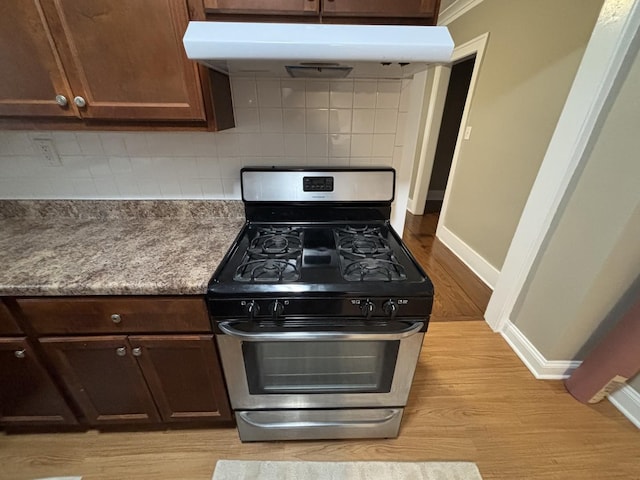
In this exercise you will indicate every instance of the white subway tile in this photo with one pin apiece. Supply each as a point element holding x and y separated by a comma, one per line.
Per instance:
<point>247,120</point>
<point>317,145</point>
<point>270,120</point>
<point>361,145</point>
<point>317,120</point>
<point>171,190</point>
<point>231,188</point>
<point>293,93</point>
<point>249,144</point>
<point>382,161</point>
<point>142,167</point>
<point>386,121</point>
<point>383,145</point>
<point>227,145</point>
<point>163,143</point>
<point>272,144</point>
<point>90,143</point>
<point>405,96</point>
<point>340,120</point>
<point>113,143</point>
<point>230,167</point>
<point>360,162</point>
<point>84,187</point>
<point>269,94</point>
<point>212,188</point>
<point>149,188</point>
<point>74,167</point>
<point>186,167</point>
<point>190,188</point>
<point>317,94</point>
<point>401,128</point>
<point>66,143</point>
<point>127,185</point>
<point>294,120</point>
<point>106,187</point>
<point>208,167</point>
<point>388,94</point>
<point>318,161</point>
<point>339,162</point>
<point>339,145</point>
<point>341,94</point>
<point>120,165</point>
<point>364,94</point>
<point>244,94</point>
<point>136,144</point>
<point>202,144</point>
<point>397,157</point>
<point>295,145</point>
<point>61,188</point>
<point>363,120</point>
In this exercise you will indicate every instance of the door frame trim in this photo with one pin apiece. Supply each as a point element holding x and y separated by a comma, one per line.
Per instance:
<point>435,109</point>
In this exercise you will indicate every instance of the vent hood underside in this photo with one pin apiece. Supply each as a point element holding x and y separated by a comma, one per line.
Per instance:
<point>317,50</point>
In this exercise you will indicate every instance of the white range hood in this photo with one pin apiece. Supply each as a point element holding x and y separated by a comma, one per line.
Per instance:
<point>317,50</point>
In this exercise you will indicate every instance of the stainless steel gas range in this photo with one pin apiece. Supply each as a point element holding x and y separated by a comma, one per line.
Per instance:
<point>319,309</point>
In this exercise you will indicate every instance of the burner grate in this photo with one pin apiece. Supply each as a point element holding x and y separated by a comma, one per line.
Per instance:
<point>273,256</point>
<point>365,255</point>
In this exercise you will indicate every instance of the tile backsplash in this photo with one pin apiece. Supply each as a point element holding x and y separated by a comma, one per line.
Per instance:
<point>279,122</point>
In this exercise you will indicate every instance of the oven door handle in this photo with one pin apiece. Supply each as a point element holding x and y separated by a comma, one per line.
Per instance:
<point>227,328</point>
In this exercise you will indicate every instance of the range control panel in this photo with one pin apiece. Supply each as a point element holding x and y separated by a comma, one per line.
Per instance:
<point>281,308</point>
<point>317,184</point>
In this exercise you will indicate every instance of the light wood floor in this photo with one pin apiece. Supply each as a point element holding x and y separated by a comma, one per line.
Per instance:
<point>472,400</point>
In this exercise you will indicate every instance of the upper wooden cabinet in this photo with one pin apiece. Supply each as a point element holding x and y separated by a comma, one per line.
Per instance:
<point>379,8</point>
<point>105,60</point>
<point>32,73</point>
<point>420,12</point>
<point>264,7</point>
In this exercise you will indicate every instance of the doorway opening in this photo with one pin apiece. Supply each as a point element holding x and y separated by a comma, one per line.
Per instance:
<point>457,92</point>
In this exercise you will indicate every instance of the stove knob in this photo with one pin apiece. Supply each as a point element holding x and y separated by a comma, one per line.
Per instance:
<point>390,308</point>
<point>367,309</point>
<point>253,309</point>
<point>276,309</point>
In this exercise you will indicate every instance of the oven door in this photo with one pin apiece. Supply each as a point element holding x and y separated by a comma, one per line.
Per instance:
<point>330,364</point>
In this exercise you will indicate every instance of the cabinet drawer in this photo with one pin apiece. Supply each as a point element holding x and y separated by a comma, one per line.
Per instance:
<point>115,315</point>
<point>8,325</point>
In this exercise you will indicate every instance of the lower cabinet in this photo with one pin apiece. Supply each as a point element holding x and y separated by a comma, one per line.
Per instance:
<point>142,378</point>
<point>28,395</point>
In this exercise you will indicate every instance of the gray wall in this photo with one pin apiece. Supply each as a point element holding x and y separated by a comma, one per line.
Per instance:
<point>590,264</point>
<point>533,52</point>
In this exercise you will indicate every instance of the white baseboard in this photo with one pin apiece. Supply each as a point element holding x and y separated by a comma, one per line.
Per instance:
<point>472,259</point>
<point>627,400</point>
<point>540,367</point>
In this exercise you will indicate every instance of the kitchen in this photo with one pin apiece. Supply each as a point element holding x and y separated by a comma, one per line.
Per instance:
<point>169,172</point>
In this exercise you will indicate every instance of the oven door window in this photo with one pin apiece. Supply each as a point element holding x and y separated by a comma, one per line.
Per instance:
<point>320,367</point>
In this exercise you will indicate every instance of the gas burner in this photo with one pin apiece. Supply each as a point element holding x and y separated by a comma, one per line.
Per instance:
<point>361,242</point>
<point>271,270</point>
<point>276,242</point>
<point>373,269</point>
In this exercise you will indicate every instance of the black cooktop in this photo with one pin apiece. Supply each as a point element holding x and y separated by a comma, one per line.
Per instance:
<point>338,258</point>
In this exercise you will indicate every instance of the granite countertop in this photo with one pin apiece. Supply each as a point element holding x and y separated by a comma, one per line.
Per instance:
<point>113,247</point>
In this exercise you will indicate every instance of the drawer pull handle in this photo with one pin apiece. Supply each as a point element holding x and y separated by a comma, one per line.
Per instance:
<point>121,351</point>
<point>20,353</point>
<point>115,318</point>
<point>137,351</point>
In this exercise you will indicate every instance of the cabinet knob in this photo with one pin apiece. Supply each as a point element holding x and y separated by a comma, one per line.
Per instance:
<point>20,353</point>
<point>62,100</point>
<point>121,351</point>
<point>80,102</point>
<point>116,318</point>
<point>137,351</point>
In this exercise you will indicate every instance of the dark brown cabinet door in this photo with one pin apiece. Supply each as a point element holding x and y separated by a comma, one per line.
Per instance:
<point>184,376</point>
<point>28,396</point>
<point>8,325</point>
<point>263,7</point>
<point>379,8</point>
<point>32,74</point>
<point>125,59</point>
<point>103,377</point>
